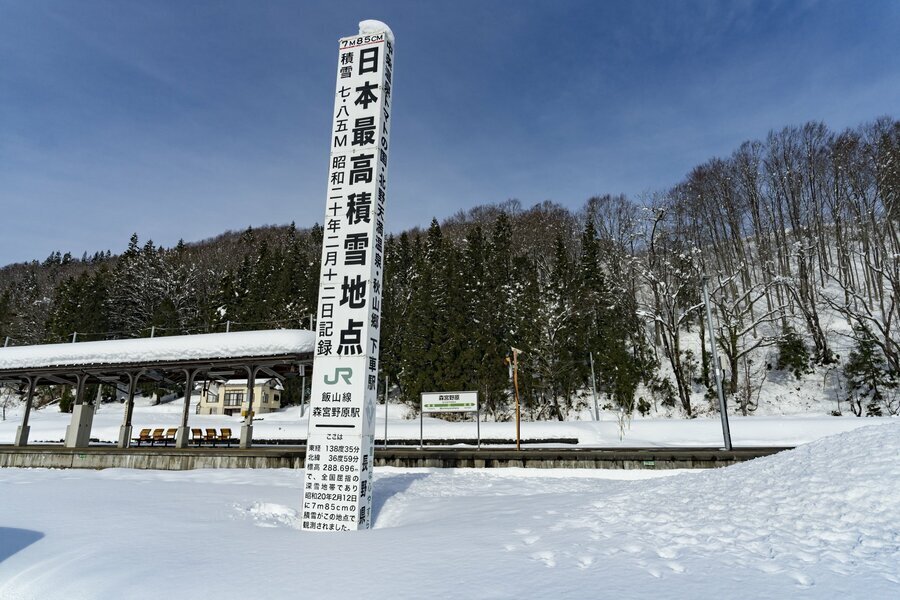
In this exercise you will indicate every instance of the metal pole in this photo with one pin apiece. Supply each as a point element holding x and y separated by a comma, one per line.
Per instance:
<point>421,425</point>
<point>181,436</point>
<point>251,385</point>
<point>247,426</point>
<point>6,342</point>
<point>132,390</point>
<point>22,431</point>
<point>594,388</point>
<point>311,326</point>
<point>385,409</point>
<point>153,331</point>
<point>74,337</point>
<point>125,429</point>
<point>478,421</point>
<point>726,433</point>
<point>303,396</point>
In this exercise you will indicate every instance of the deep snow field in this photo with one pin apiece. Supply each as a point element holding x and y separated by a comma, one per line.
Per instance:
<point>821,521</point>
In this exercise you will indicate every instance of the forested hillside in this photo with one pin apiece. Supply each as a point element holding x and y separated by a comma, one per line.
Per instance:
<point>797,233</point>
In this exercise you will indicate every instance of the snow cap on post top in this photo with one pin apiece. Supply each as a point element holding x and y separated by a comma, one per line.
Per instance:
<point>373,26</point>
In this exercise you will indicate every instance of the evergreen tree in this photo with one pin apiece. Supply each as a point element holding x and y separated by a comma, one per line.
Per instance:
<point>427,326</point>
<point>314,268</point>
<point>526,329</point>
<point>478,293</point>
<point>291,278</point>
<point>398,261</point>
<point>259,307</point>
<point>154,288</point>
<point>870,381</point>
<point>496,340</point>
<point>80,305</point>
<point>793,355</point>
<point>609,327</point>
<point>29,309</point>
<point>456,353</point>
<point>6,314</point>
<point>554,355</point>
<point>225,301</point>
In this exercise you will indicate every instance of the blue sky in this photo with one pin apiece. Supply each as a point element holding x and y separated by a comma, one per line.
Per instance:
<point>181,119</point>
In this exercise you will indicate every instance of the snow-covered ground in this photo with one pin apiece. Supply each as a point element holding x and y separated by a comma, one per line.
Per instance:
<point>820,521</point>
<point>49,425</point>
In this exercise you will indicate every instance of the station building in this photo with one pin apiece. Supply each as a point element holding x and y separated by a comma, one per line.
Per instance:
<point>230,397</point>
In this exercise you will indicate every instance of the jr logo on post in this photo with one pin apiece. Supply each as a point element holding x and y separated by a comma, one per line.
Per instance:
<point>337,485</point>
<point>344,373</point>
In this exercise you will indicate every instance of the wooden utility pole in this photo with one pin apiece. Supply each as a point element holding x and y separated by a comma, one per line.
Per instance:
<point>515,366</point>
<point>594,389</point>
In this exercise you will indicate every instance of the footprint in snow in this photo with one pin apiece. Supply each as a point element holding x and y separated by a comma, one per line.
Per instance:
<point>676,567</point>
<point>667,553</point>
<point>801,579</point>
<point>770,567</point>
<point>806,557</point>
<point>548,558</point>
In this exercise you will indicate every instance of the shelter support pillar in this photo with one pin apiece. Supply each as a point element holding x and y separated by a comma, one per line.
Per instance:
<point>78,434</point>
<point>125,429</point>
<point>247,426</point>
<point>22,431</point>
<point>182,437</point>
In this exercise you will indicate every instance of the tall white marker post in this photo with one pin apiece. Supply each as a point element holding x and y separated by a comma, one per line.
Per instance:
<point>337,491</point>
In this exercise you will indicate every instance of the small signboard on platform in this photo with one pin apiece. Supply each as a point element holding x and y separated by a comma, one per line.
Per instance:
<point>438,402</point>
<point>449,402</point>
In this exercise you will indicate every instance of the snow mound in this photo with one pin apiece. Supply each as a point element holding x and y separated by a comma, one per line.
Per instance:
<point>373,26</point>
<point>823,512</point>
<point>267,514</point>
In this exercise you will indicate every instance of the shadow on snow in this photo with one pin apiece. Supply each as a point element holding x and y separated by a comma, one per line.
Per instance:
<point>13,540</point>
<point>391,485</point>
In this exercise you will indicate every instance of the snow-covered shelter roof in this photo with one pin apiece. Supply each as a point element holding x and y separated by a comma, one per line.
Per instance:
<point>171,349</point>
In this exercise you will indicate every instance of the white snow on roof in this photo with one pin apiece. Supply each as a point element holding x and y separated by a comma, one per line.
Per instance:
<point>373,26</point>
<point>161,349</point>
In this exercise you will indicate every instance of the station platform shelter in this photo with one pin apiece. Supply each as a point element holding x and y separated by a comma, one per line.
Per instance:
<point>177,360</point>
